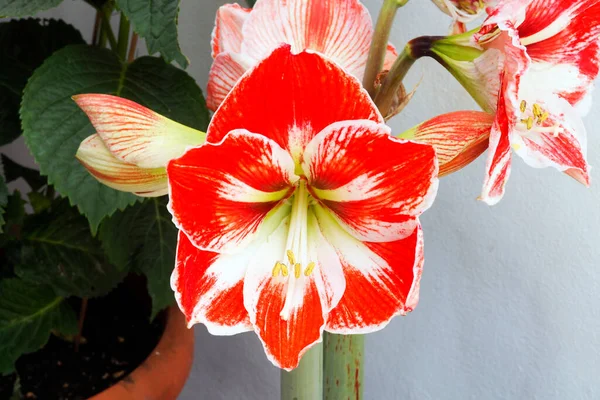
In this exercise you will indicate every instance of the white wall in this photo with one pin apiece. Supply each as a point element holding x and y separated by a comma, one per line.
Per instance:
<point>509,298</point>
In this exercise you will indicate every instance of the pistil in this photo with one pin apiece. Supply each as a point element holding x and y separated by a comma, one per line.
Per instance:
<point>296,249</point>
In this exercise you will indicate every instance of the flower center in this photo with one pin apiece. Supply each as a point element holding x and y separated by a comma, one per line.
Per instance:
<point>294,264</point>
<point>533,120</point>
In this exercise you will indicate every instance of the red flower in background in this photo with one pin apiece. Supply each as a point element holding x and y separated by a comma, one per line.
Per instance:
<point>341,30</point>
<point>549,55</point>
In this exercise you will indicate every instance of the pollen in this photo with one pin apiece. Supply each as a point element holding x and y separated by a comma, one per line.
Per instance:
<point>523,106</point>
<point>537,110</point>
<point>543,117</point>
<point>284,269</point>
<point>291,257</point>
<point>309,268</point>
<point>276,269</point>
<point>297,269</point>
<point>528,122</point>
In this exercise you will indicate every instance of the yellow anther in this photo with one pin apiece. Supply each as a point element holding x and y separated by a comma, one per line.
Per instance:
<point>276,269</point>
<point>528,122</point>
<point>291,258</point>
<point>284,269</point>
<point>297,269</point>
<point>523,105</point>
<point>537,110</point>
<point>309,269</point>
<point>543,117</point>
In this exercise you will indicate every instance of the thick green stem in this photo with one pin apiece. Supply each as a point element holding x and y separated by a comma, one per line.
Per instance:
<point>123,37</point>
<point>380,41</point>
<point>386,95</point>
<point>343,366</point>
<point>106,28</point>
<point>306,381</point>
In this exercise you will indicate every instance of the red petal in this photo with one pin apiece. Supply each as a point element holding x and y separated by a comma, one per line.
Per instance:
<point>458,137</point>
<point>227,35</point>
<point>339,29</point>
<point>209,288</point>
<point>220,193</point>
<point>224,73</point>
<point>374,183</point>
<point>286,341</point>
<point>291,98</point>
<point>382,279</point>
<point>499,158</point>
<point>265,296</point>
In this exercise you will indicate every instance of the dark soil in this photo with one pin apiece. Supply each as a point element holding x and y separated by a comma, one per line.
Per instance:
<point>118,336</point>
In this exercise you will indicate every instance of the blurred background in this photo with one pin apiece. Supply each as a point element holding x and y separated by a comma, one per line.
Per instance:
<point>510,305</point>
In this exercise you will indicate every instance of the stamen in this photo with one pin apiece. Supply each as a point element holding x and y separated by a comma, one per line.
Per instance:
<point>291,258</point>
<point>309,269</point>
<point>537,110</point>
<point>543,117</point>
<point>528,122</point>
<point>297,269</point>
<point>523,105</point>
<point>276,269</point>
<point>284,269</point>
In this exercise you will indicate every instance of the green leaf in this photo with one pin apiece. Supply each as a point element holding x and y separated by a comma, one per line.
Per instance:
<point>14,171</point>
<point>58,249</point>
<point>156,22</point>
<point>28,313</point>
<point>24,44</point>
<point>39,202</point>
<point>14,214</point>
<point>54,126</point>
<point>145,238</point>
<point>24,8</point>
<point>3,201</point>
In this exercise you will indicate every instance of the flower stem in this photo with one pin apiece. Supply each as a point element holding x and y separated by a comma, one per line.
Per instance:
<point>123,37</point>
<point>306,381</point>
<point>82,313</point>
<point>414,49</point>
<point>106,29</point>
<point>380,41</point>
<point>343,366</point>
<point>132,46</point>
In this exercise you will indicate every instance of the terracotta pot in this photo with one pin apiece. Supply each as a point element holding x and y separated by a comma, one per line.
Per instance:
<point>162,375</point>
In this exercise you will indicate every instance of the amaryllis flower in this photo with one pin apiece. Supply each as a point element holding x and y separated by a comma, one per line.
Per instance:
<point>550,59</point>
<point>300,213</point>
<point>338,29</point>
<point>462,11</point>
<point>132,145</point>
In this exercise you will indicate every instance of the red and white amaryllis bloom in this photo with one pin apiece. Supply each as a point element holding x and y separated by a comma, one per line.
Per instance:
<point>549,53</point>
<point>300,213</point>
<point>463,11</point>
<point>341,30</point>
<point>133,144</point>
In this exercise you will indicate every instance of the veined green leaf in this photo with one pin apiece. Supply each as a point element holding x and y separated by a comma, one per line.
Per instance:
<point>24,45</point>
<point>28,313</point>
<point>156,22</point>
<point>144,237</point>
<point>57,249</point>
<point>24,8</point>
